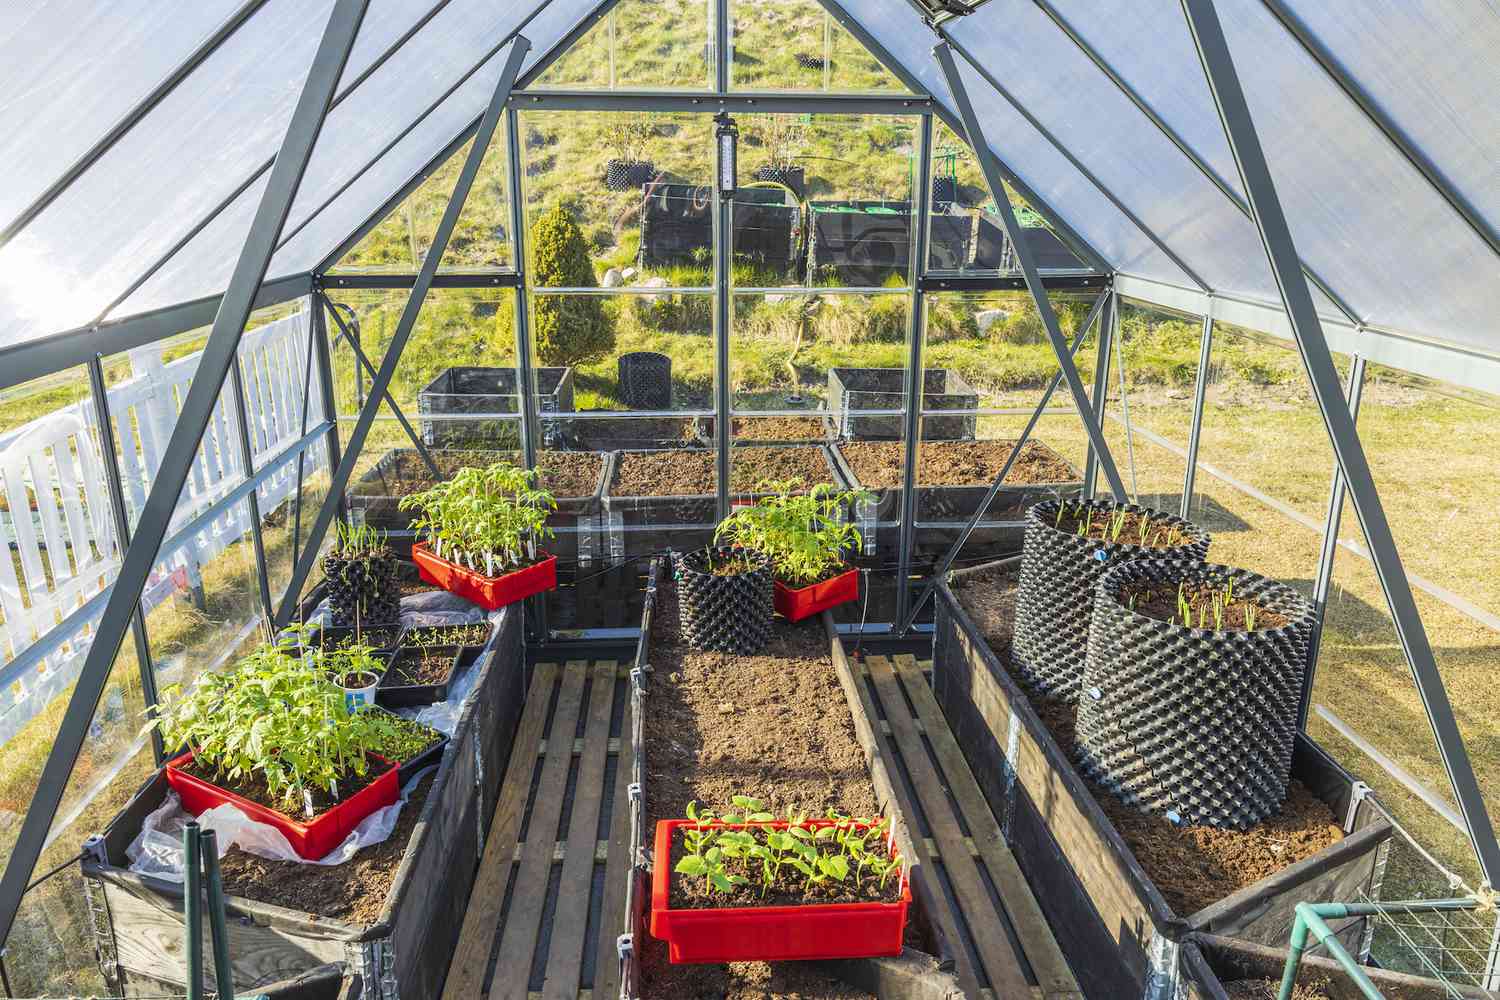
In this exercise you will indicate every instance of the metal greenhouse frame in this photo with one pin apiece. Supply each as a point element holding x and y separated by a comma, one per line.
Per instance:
<point>943,87</point>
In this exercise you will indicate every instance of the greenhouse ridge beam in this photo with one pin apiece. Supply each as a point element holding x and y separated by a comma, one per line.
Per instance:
<point>977,140</point>
<point>408,320</point>
<point>144,107</point>
<point>219,354</point>
<point>1177,140</point>
<point>1239,128</point>
<point>1078,164</point>
<point>1418,160</point>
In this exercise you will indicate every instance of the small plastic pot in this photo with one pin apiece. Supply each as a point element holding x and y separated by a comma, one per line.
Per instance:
<point>816,931</point>
<point>357,699</point>
<point>795,604</point>
<point>489,592</point>
<point>311,839</point>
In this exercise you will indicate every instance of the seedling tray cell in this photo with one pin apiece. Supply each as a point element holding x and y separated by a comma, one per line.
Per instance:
<point>395,693</point>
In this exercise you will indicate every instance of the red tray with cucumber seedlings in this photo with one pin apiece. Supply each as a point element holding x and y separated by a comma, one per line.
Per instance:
<point>727,892</point>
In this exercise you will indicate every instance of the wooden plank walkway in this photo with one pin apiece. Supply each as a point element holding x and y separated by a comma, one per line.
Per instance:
<point>548,901</point>
<point>988,915</point>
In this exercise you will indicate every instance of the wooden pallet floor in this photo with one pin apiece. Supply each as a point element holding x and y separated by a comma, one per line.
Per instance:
<point>1000,939</point>
<point>549,898</point>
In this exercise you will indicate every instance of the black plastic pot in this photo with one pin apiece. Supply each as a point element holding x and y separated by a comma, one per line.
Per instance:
<point>646,380</point>
<point>808,61</point>
<point>729,614</point>
<point>622,175</point>
<point>1055,597</point>
<point>363,590</point>
<point>944,193</point>
<point>1194,724</point>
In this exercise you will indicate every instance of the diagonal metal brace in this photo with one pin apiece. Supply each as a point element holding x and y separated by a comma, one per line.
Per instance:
<point>941,570</point>
<point>390,398</point>
<point>996,185</point>
<point>341,476</point>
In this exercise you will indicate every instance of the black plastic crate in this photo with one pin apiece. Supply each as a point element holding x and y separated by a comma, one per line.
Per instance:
<point>488,391</point>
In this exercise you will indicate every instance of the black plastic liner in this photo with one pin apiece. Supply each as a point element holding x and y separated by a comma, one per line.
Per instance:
<point>729,614</point>
<point>1054,600</point>
<point>1192,723</point>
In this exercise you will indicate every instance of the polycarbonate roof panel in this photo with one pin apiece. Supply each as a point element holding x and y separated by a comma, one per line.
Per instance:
<point>73,69</point>
<point>1054,80</point>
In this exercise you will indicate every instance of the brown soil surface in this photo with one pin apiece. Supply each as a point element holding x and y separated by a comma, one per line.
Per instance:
<point>412,667</point>
<point>353,892</point>
<point>691,472</point>
<point>774,726</point>
<point>1134,529</point>
<point>1269,989</point>
<point>791,887</point>
<point>254,788</point>
<point>564,473</point>
<point>1192,866</point>
<point>1161,603</point>
<point>384,637</point>
<point>780,428</point>
<point>447,635</point>
<point>878,464</point>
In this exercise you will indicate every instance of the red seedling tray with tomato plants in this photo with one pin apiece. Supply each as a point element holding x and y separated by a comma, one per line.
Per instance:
<point>489,592</point>
<point>814,931</point>
<point>311,839</point>
<point>795,604</point>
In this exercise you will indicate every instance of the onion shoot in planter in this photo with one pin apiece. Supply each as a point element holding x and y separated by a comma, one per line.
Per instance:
<point>488,520</point>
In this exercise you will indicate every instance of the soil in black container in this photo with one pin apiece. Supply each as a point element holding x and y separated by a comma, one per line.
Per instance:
<point>251,786</point>
<point>1268,989</point>
<point>691,473</point>
<point>354,892</point>
<point>447,635</point>
<point>411,667</point>
<point>377,637</point>
<point>563,473</point>
<point>1126,527</point>
<point>878,465</point>
<point>1192,866</point>
<point>1207,606</point>
<point>774,726</point>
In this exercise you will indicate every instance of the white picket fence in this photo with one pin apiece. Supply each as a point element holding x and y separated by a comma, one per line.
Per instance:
<point>65,553</point>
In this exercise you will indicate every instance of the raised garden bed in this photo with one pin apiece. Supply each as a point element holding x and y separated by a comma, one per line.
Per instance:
<point>853,389</point>
<point>576,478</point>
<point>488,391</point>
<point>1123,887</point>
<point>768,430</point>
<point>392,913</point>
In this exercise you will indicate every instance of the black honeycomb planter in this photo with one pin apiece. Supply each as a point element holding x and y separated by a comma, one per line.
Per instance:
<point>1195,724</point>
<point>646,380</point>
<point>728,614</point>
<point>1055,594</point>
<point>364,590</point>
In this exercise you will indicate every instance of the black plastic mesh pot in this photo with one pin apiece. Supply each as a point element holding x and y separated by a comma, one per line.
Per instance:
<point>646,380</point>
<point>1194,724</point>
<point>622,175</point>
<point>1055,594</point>
<point>793,177</point>
<point>729,614</point>
<point>364,590</point>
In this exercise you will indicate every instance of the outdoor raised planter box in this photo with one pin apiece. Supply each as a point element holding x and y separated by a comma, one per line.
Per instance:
<point>404,949</point>
<point>851,390</point>
<point>770,933</point>
<point>489,592</point>
<point>1092,888</point>
<point>312,838</point>
<point>377,494</point>
<point>797,603</point>
<point>487,393</point>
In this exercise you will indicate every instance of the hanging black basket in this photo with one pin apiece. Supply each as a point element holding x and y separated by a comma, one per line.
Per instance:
<point>729,614</point>
<point>1195,724</point>
<point>646,380</point>
<point>363,590</point>
<point>1055,594</point>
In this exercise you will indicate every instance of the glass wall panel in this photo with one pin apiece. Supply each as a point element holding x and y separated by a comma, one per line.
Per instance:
<point>1431,449</point>
<point>988,363</point>
<point>795,45</point>
<point>641,45</point>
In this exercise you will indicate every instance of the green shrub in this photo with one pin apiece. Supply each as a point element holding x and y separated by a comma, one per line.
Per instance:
<point>569,330</point>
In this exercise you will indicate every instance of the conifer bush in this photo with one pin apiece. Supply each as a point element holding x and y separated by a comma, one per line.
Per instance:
<point>569,329</point>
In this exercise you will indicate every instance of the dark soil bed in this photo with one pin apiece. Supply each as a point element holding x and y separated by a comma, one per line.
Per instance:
<point>779,428</point>
<point>254,788</point>
<point>691,472</point>
<point>1193,866</point>
<point>878,464</point>
<point>354,892</point>
<point>412,667</point>
<point>1237,614</point>
<point>564,473</point>
<point>1267,989</point>
<point>774,726</point>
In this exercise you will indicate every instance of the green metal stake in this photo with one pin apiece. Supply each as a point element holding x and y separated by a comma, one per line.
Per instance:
<point>192,908</point>
<point>223,972</point>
